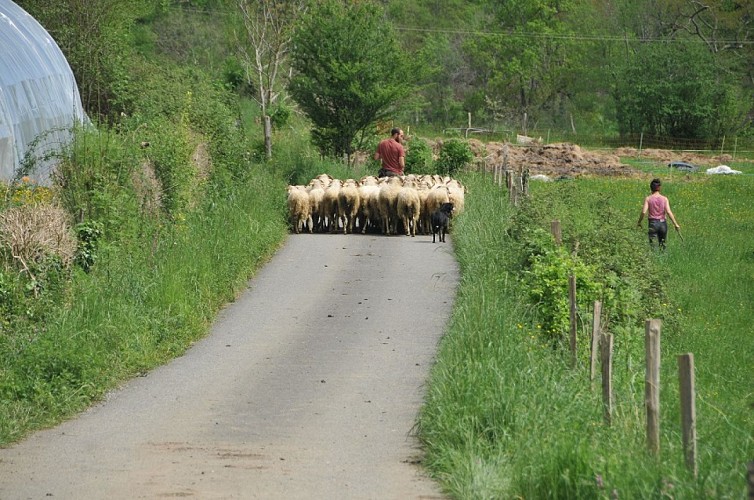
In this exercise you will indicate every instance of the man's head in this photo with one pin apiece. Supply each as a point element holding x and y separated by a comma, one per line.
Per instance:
<point>655,185</point>
<point>397,134</point>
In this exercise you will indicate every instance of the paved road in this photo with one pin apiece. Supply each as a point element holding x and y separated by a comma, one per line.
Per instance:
<point>308,386</point>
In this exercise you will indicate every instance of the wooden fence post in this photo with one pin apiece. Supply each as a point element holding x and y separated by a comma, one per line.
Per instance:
<point>555,230</point>
<point>572,314</point>
<point>606,355</point>
<point>595,339</point>
<point>512,190</point>
<point>641,144</point>
<point>688,409</point>
<point>652,384</point>
<point>505,163</point>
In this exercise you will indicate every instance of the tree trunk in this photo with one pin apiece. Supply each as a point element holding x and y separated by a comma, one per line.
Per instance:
<point>268,136</point>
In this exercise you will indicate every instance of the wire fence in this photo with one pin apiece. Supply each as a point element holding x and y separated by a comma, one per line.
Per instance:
<point>735,147</point>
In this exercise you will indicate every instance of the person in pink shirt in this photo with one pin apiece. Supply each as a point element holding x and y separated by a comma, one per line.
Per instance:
<point>657,208</point>
<point>392,155</point>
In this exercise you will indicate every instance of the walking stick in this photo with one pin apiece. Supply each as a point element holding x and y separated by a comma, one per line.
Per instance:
<point>679,233</point>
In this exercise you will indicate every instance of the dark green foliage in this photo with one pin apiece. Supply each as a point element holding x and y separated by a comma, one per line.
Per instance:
<point>454,156</point>
<point>678,90</point>
<point>96,38</point>
<point>418,156</point>
<point>349,72</point>
<point>235,79</point>
<point>88,235</point>
<point>280,114</point>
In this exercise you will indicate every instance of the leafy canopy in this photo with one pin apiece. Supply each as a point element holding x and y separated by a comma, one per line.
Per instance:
<point>677,90</point>
<point>348,73</point>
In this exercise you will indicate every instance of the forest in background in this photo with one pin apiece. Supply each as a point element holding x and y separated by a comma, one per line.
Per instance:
<point>678,72</point>
<point>670,68</point>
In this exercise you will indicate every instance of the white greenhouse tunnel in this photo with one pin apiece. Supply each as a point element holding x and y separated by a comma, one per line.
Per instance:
<point>39,100</point>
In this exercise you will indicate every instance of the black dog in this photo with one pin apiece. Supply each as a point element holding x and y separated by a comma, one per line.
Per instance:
<point>440,219</point>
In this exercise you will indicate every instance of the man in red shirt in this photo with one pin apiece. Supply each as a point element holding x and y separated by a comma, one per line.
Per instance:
<point>392,155</point>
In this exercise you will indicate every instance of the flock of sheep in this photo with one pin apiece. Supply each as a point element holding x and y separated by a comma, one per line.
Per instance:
<point>372,204</point>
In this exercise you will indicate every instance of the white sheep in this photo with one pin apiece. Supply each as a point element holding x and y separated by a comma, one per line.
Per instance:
<point>408,207</point>
<point>330,205</point>
<point>388,198</point>
<point>325,179</point>
<point>348,204</point>
<point>456,194</point>
<point>369,209</point>
<point>423,190</point>
<point>316,195</point>
<point>299,210</point>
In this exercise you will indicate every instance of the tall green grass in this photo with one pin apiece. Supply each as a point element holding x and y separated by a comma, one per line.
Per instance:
<point>506,416</point>
<point>143,304</point>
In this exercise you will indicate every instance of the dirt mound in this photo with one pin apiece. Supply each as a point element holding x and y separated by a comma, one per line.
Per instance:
<point>554,160</point>
<point>665,156</point>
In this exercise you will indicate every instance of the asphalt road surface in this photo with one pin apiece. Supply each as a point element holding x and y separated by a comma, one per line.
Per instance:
<point>308,386</point>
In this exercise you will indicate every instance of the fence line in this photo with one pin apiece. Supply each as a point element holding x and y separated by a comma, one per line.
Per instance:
<point>731,145</point>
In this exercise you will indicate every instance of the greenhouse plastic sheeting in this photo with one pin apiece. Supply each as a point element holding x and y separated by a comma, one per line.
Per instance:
<point>39,99</point>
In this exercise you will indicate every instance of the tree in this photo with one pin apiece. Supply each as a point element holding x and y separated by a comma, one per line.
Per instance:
<point>691,58</point>
<point>268,26</point>
<point>95,36</point>
<point>348,73</point>
<point>524,67</point>
<point>675,89</point>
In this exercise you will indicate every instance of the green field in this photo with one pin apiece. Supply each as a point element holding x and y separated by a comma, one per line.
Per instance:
<point>507,417</point>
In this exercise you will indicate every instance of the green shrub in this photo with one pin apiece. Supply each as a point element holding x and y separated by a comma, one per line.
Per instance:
<point>596,248</point>
<point>454,156</point>
<point>418,157</point>
<point>88,235</point>
<point>280,115</point>
<point>547,280</point>
<point>94,181</point>
<point>169,152</point>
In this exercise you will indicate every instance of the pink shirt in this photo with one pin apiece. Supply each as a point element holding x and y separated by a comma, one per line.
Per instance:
<point>657,205</point>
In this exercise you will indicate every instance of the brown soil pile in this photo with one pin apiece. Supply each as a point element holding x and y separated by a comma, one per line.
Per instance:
<point>665,156</point>
<point>554,160</point>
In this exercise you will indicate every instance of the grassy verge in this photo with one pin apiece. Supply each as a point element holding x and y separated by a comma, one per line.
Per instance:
<point>506,417</point>
<point>143,304</point>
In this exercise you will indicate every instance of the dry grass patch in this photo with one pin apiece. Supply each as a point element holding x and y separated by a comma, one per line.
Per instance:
<point>31,233</point>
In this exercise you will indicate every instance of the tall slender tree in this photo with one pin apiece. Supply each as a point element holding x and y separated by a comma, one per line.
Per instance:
<point>264,49</point>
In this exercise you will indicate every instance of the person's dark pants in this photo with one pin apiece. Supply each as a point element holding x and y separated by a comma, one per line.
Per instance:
<point>386,173</point>
<point>658,229</point>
